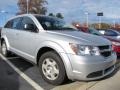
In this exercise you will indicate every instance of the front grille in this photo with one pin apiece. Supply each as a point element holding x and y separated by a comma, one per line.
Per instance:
<point>105,50</point>
<point>100,73</point>
<point>104,47</point>
<point>106,53</point>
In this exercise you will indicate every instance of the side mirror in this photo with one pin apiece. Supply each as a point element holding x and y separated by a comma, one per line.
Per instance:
<point>30,27</point>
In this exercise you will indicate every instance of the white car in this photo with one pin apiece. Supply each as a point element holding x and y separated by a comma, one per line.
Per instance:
<point>59,50</point>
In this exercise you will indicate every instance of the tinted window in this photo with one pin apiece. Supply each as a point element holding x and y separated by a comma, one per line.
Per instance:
<point>27,20</point>
<point>9,24</point>
<point>17,23</point>
<point>14,23</point>
<point>50,23</point>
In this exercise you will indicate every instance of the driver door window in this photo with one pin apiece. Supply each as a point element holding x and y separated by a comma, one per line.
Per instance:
<point>28,21</point>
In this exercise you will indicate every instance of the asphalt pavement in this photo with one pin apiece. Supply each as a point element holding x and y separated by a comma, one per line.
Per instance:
<point>12,80</point>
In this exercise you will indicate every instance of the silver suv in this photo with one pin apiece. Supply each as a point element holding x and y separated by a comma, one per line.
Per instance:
<point>59,50</point>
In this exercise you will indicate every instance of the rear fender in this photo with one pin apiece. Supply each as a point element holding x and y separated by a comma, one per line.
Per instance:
<point>6,41</point>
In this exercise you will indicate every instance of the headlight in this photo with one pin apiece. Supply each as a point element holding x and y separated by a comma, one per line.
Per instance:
<point>84,50</point>
<point>116,43</point>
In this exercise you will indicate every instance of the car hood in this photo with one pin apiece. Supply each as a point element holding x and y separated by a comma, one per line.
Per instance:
<point>81,37</point>
<point>112,39</point>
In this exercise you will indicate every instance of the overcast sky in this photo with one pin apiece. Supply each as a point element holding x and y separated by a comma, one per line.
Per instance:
<point>73,10</point>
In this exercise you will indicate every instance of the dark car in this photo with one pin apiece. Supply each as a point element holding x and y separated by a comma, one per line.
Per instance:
<point>110,33</point>
<point>115,44</point>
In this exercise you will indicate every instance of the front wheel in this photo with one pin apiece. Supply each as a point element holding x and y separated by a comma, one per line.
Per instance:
<point>52,68</point>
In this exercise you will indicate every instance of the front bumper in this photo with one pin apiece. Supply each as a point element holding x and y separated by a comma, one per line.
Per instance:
<point>91,67</point>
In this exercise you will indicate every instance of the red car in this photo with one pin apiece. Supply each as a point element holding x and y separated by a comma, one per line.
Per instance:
<point>115,42</point>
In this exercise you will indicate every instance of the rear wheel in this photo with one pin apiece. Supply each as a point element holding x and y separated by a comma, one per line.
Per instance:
<point>52,68</point>
<point>4,49</point>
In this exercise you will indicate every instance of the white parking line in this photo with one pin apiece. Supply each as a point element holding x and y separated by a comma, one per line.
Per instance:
<point>13,57</point>
<point>24,76</point>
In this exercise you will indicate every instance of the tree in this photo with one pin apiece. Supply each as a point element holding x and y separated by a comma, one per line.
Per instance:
<point>116,27</point>
<point>103,26</point>
<point>34,6</point>
<point>51,14</point>
<point>59,15</point>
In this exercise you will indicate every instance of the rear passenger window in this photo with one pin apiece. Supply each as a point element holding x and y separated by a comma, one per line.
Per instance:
<point>14,24</point>
<point>17,23</point>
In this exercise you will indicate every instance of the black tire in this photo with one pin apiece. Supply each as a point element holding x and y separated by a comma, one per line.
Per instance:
<point>61,77</point>
<point>6,53</point>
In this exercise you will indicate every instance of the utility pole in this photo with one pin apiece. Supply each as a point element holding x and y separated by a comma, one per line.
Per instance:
<point>114,23</point>
<point>100,22</point>
<point>87,19</point>
<point>27,2</point>
<point>100,14</point>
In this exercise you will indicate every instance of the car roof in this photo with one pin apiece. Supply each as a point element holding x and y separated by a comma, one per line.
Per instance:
<point>31,15</point>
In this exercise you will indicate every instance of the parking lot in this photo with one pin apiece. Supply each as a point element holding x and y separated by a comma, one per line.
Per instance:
<point>79,41</point>
<point>18,74</point>
<point>12,80</point>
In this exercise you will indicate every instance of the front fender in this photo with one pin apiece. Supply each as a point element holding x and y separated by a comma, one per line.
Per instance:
<point>61,51</point>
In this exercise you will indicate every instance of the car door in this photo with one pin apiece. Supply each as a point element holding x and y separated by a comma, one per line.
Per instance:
<point>11,32</point>
<point>27,39</point>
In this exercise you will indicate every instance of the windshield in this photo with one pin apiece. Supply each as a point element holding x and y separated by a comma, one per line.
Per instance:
<point>95,32</point>
<point>50,23</point>
<point>109,32</point>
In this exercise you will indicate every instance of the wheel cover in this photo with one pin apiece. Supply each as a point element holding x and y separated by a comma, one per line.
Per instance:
<point>50,69</point>
<point>4,49</point>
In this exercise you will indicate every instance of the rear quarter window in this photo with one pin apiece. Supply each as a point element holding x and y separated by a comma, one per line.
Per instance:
<point>9,24</point>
